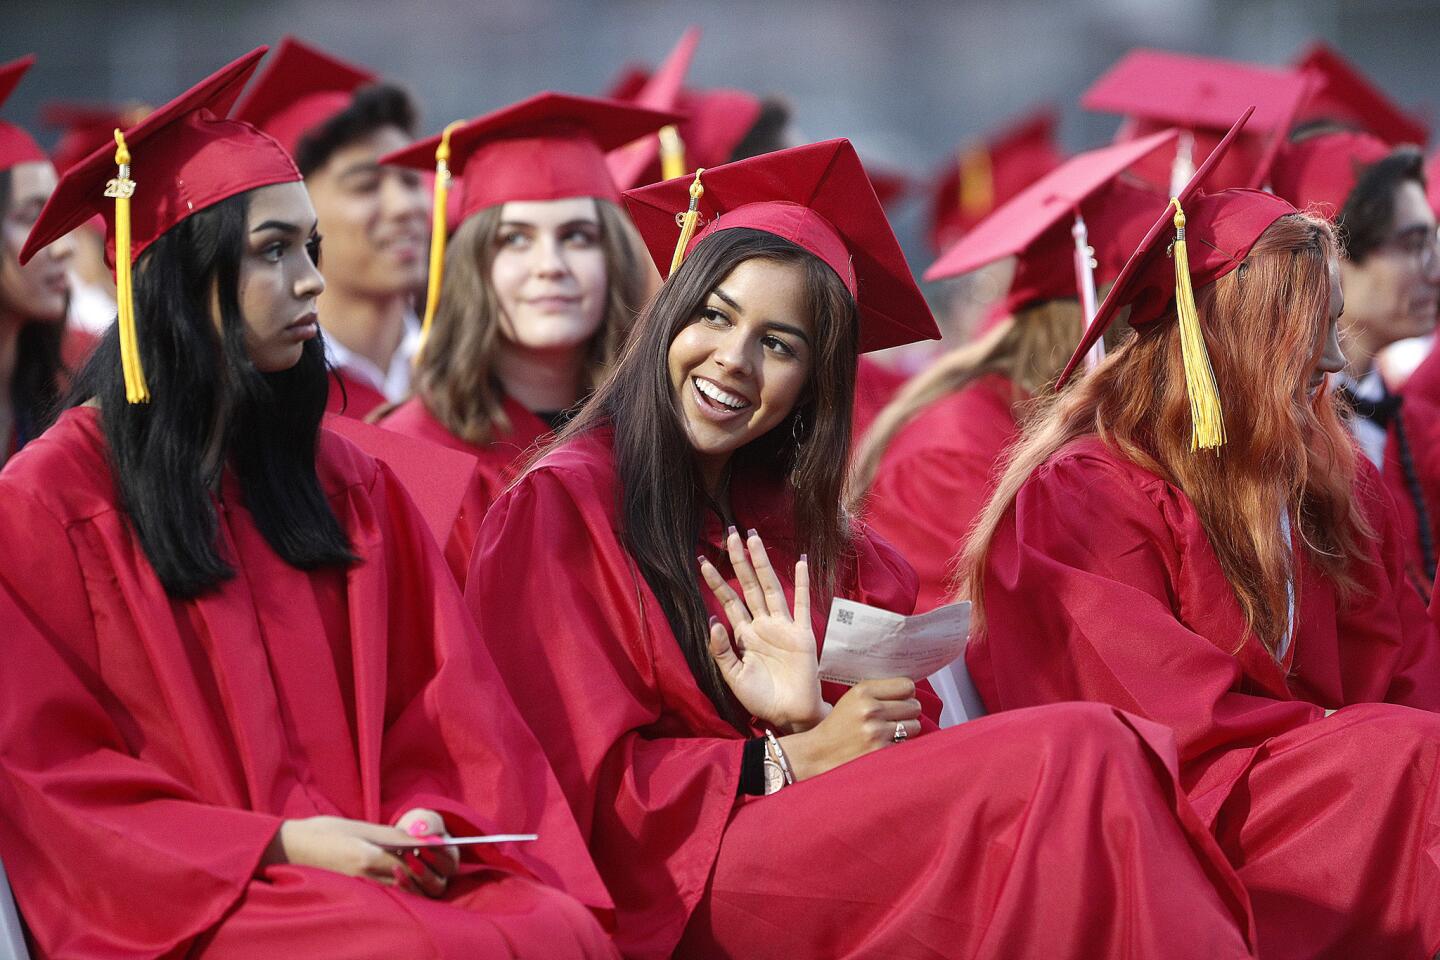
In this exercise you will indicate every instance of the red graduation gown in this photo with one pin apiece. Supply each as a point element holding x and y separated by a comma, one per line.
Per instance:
<point>352,397</point>
<point>150,747</point>
<point>875,386</point>
<point>936,477</point>
<point>1040,834</point>
<point>497,463</point>
<point>1101,585</point>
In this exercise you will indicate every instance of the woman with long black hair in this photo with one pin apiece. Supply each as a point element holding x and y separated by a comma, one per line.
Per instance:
<point>246,708</point>
<point>34,297</point>
<point>734,804</point>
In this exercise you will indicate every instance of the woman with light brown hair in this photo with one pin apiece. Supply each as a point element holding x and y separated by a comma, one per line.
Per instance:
<point>540,284</point>
<point>1233,570</point>
<point>931,459</point>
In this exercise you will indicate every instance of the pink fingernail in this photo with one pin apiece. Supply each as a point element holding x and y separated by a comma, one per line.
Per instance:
<point>401,877</point>
<point>804,558</point>
<point>751,533</point>
<point>730,532</point>
<point>700,560</point>
<point>419,829</point>
<point>713,621</point>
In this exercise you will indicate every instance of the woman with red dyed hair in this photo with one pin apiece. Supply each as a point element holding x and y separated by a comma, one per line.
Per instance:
<point>1234,573</point>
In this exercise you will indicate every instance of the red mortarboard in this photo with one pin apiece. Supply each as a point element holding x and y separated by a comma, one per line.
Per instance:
<point>890,185</point>
<point>1318,173</point>
<point>1048,202</point>
<point>816,196</point>
<point>713,123</point>
<point>1211,238</point>
<point>1156,89</point>
<point>986,174</point>
<point>185,157</point>
<point>300,89</point>
<point>1348,97</point>
<point>16,146</point>
<point>547,147</point>
<point>85,127</point>
<point>659,91</point>
<point>180,159</point>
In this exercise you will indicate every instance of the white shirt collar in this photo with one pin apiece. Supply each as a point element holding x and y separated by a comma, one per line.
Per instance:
<point>394,382</point>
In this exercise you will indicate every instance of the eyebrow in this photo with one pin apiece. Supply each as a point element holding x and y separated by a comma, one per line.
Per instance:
<point>282,226</point>
<point>789,328</point>
<point>578,222</point>
<point>358,167</point>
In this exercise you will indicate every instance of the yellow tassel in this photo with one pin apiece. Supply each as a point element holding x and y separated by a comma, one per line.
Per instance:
<point>977,182</point>
<point>121,189</point>
<point>437,235</point>
<point>672,153</point>
<point>688,222</point>
<point>1205,412</point>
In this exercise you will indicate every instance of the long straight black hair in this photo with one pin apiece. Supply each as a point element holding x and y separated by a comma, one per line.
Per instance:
<point>201,382</point>
<point>39,366</point>
<point>662,494</point>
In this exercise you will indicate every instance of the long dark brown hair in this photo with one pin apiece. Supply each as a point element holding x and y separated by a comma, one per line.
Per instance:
<point>1264,326</point>
<point>455,376</point>
<point>662,495</point>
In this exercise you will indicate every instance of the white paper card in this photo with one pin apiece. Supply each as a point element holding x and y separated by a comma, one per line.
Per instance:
<point>867,643</point>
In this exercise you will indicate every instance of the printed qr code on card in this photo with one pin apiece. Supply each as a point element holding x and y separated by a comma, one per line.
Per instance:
<point>845,616</point>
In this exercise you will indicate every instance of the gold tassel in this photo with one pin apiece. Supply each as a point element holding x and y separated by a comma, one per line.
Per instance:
<point>121,189</point>
<point>977,182</point>
<point>437,236</point>
<point>688,222</point>
<point>1205,412</point>
<point>672,153</point>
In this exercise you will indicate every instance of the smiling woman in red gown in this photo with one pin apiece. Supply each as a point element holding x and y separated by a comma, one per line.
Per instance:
<point>1236,573</point>
<point>534,293</point>
<point>852,828</point>
<point>240,667</point>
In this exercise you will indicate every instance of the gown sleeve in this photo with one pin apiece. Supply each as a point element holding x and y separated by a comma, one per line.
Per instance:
<point>560,608</point>
<point>76,799</point>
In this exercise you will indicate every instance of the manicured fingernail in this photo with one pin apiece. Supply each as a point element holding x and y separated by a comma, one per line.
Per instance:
<point>700,559</point>
<point>418,829</point>
<point>751,533</point>
<point>713,621</point>
<point>731,531</point>
<point>401,877</point>
<point>804,558</point>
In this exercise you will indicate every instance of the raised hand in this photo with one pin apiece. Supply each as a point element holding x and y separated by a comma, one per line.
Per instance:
<point>772,667</point>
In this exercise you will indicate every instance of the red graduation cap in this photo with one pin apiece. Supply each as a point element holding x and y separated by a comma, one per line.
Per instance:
<point>816,196</point>
<point>1348,97</point>
<point>660,91</point>
<point>713,121</point>
<point>16,146</point>
<point>548,147</point>
<point>300,88</point>
<point>85,127</point>
<point>185,156</point>
<point>986,174</point>
<point>1154,89</point>
<point>1049,202</point>
<point>1206,236</point>
<point>1318,173</point>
